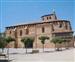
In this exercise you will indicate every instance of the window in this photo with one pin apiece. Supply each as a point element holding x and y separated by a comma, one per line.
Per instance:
<point>10,32</point>
<point>27,31</point>
<point>47,18</point>
<point>52,28</point>
<point>70,26</point>
<point>43,30</point>
<point>66,26</point>
<point>20,32</point>
<point>60,26</point>
<point>42,18</point>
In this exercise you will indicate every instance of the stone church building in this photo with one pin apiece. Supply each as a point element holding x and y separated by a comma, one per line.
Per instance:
<point>49,26</point>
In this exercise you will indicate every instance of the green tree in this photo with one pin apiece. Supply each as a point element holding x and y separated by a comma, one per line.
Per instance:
<point>43,38</point>
<point>27,41</point>
<point>2,42</point>
<point>8,40</point>
<point>57,40</point>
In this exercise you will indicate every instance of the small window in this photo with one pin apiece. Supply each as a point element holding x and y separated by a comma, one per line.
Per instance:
<point>43,30</point>
<point>47,18</point>
<point>27,31</point>
<point>52,28</point>
<point>10,32</point>
<point>60,26</point>
<point>20,32</point>
<point>42,18</point>
<point>66,27</point>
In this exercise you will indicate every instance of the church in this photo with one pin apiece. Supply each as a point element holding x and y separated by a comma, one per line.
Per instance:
<point>49,26</point>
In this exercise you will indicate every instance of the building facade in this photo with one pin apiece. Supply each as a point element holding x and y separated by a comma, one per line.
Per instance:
<point>48,26</point>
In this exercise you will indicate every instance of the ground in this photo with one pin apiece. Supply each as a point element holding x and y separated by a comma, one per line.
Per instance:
<point>50,55</point>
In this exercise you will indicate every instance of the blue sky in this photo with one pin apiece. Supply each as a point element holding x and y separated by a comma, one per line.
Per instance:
<point>14,12</point>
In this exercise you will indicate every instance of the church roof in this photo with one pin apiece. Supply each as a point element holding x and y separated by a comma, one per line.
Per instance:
<point>47,15</point>
<point>36,23</point>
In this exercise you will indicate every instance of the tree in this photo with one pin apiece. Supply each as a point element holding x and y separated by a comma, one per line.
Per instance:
<point>2,42</point>
<point>43,38</point>
<point>57,40</point>
<point>8,40</point>
<point>27,41</point>
<point>54,40</point>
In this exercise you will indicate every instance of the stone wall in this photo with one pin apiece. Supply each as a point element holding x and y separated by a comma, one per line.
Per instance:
<point>35,30</point>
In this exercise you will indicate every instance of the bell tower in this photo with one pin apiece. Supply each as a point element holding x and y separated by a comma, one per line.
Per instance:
<point>49,17</point>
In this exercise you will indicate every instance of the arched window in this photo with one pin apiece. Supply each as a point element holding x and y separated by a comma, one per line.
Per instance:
<point>10,32</point>
<point>20,32</point>
<point>47,18</point>
<point>60,26</point>
<point>52,27</point>
<point>27,31</point>
<point>43,29</point>
<point>66,26</point>
<point>50,17</point>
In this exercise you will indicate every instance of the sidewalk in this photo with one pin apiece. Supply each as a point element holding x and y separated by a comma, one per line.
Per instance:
<point>60,56</point>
